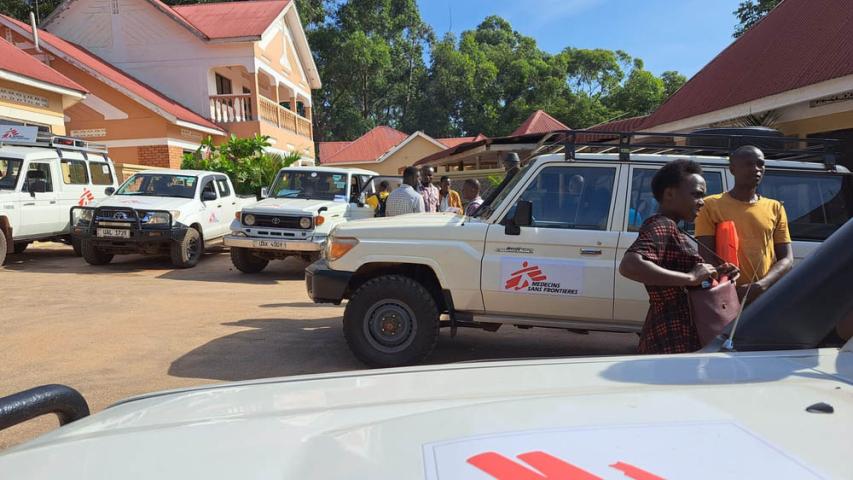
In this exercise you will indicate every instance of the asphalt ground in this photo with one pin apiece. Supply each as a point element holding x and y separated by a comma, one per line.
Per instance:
<point>138,325</point>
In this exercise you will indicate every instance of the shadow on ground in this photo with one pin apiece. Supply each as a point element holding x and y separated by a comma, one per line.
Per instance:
<point>282,347</point>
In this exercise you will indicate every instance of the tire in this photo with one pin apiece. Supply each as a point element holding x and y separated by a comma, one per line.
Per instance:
<point>246,262</point>
<point>2,248</point>
<point>77,247</point>
<point>94,255</point>
<point>20,247</point>
<point>407,305</point>
<point>187,253</point>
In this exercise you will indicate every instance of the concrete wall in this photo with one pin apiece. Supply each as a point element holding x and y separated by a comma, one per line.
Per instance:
<point>51,116</point>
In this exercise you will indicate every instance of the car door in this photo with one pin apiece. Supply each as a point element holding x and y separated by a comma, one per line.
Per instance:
<point>213,211</point>
<point>228,199</point>
<point>631,302</point>
<point>74,189</point>
<point>367,186</point>
<point>40,213</point>
<point>562,266</point>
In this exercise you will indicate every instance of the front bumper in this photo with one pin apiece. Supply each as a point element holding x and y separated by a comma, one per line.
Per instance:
<point>253,243</point>
<point>140,237</point>
<point>325,285</point>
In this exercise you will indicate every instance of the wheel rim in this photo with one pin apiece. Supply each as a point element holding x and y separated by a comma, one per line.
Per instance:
<point>193,249</point>
<point>390,326</point>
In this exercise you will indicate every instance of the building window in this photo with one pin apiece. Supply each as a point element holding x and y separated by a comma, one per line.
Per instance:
<point>223,85</point>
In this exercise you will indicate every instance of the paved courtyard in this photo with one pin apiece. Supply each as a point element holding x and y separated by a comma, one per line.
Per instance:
<point>138,325</point>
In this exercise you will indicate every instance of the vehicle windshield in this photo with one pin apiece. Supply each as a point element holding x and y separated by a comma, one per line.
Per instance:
<point>487,208</point>
<point>159,185</point>
<point>311,185</point>
<point>9,171</point>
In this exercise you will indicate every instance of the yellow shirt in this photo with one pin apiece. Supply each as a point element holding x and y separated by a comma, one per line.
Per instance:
<point>760,226</point>
<point>373,201</point>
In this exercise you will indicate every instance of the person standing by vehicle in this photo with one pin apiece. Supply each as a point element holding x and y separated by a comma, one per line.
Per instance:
<point>666,261</point>
<point>512,165</point>
<point>471,195</point>
<point>378,200</point>
<point>448,199</point>
<point>764,242</point>
<point>428,190</point>
<point>405,199</point>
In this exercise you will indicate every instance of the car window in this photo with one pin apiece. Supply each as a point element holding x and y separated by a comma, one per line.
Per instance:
<point>209,187</point>
<point>9,171</point>
<point>642,203</point>
<point>39,173</point>
<point>224,189</point>
<point>817,204</point>
<point>101,173</point>
<point>571,197</point>
<point>74,172</point>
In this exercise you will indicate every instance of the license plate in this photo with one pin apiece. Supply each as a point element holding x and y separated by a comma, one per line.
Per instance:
<point>113,232</point>
<point>268,243</point>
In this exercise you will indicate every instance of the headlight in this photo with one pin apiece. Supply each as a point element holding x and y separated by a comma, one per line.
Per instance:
<point>155,218</point>
<point>249,219</point>
<point>337,247</point>
<point>83,216</point>
<point>305,222</point>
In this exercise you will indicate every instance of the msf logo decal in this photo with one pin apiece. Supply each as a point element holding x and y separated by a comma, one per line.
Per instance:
<point>522,278</point>
<point>86,198</point>
<point>547,467</point>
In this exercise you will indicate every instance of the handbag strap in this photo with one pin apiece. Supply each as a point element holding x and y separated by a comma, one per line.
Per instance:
<point>701,245</point>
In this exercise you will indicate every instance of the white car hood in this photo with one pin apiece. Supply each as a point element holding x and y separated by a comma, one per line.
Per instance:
<point>685,416</point>
<point>299,206</point>
<point>140,202</point>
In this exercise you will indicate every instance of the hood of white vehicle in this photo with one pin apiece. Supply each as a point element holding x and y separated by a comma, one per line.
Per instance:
<point>297,206</point>
<point>403,225</point>
<point>140,202</point>
<point>688,416</point>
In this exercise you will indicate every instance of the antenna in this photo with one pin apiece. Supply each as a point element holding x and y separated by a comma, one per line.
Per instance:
<point>450,13</point>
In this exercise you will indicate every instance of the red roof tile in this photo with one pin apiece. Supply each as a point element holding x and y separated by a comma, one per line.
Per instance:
<point>539,122</point>
<point>15,60</point>
<point>232,19</point>
<point>113,74</point>
<point>367,148</point>
<point>327,149</point>
<point>800,43</point>
<point>455,141</point>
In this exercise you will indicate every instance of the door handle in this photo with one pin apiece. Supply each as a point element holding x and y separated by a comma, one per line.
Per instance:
<point>233,203</point>
<point>590,251</point>
<point>53,202</point>
<point>31,204</point>
<point>219,206</point>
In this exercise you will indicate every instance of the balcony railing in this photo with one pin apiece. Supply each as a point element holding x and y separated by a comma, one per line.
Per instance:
<point>284,118</point>
<point>231,108</point>
<point>238,108</point>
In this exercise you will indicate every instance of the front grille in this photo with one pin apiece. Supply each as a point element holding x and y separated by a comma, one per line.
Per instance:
<point>116,214</point>
<point>277,221</point>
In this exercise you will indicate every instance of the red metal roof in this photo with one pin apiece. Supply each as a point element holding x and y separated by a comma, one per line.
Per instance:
<point>327,149</point>
<point>17,61</point>
<point>800,43</point>
<point>232,19</point>
<point>113,74</point>
<point>456,141</point>
<point>367,148</point>
<point>539,122</point>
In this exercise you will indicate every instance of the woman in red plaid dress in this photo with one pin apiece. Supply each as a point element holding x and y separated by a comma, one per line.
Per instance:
<point>666,261</point>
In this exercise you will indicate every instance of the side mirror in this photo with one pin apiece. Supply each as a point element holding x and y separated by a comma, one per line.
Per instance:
<point>523,218</point>
<point>265,192</point>
<point>109,191</point>
<point>35,186</point>
<point>208,196</point>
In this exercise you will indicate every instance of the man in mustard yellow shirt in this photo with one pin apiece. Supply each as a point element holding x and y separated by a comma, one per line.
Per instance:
<point>764,252</point>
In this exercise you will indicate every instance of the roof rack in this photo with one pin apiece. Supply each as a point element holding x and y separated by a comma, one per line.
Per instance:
<point>59,143</point>
<point>702,143</point>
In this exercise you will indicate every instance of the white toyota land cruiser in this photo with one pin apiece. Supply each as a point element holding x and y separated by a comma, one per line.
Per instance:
<point>545,253</point>
<point>41,178</point>
<point>176,212</point>
<point>303,205</point>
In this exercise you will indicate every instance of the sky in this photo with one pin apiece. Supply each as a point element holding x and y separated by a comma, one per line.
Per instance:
<point>681,35</point>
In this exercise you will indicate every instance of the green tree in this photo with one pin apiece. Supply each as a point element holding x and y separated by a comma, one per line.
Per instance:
<point>641,93</point>
<point>672,81</point>
<point>749,12</point>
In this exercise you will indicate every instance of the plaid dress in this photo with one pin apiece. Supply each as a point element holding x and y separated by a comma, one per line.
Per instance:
<point>668,327</point>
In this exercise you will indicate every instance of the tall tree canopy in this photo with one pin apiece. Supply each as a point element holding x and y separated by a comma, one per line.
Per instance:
<point>381,64</point>
<point>749,12</point>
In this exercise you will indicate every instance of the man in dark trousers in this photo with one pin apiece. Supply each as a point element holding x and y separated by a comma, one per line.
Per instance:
<point>764,252</point>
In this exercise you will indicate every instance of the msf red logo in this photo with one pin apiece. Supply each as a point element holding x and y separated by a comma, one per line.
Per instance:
<point>521,279</point>
<point>12,133</point>
<point>547,467</point>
